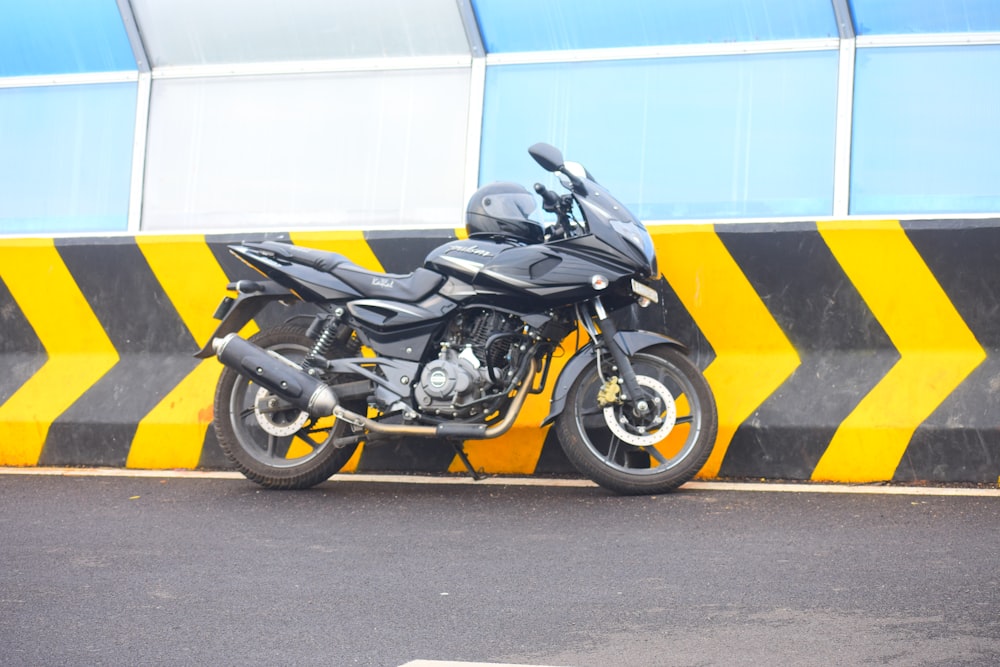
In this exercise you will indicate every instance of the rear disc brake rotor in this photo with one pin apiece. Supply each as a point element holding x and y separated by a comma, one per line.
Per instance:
<point>275,416</point>
<point>657,426</point>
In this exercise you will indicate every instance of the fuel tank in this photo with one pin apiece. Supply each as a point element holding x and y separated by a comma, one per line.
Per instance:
<point>556,273</point>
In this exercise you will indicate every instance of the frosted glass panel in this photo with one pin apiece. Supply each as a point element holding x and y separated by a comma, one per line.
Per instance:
<point>58,37</point>
<point>541,25</point>
<point>197,32</point>
<point>338,150</point>
<point>714,137</point>
<point>926,136</point>
<point>65,158</point>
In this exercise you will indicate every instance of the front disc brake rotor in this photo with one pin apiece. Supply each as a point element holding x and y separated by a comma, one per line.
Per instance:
<point>657,426</point>
<point>275,416</point>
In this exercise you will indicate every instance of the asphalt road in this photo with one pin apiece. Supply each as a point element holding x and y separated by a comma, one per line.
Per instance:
<point>122,571</point>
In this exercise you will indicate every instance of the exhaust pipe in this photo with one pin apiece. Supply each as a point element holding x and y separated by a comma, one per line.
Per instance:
<point>289,382</point>
<point>308,394</point>
<point>457,431</point>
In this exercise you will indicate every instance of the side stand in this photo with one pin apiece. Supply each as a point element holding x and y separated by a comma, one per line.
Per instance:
<point>464,458</point>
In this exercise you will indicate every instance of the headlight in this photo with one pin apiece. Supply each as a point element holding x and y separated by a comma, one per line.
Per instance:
<point>628,231</point>
<point>636,234</point>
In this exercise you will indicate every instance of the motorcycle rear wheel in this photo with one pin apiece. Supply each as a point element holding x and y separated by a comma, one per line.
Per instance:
<point>278,447</point>
<point>654,453</point>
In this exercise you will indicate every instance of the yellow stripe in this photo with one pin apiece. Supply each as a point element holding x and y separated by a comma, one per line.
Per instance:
<point>173,433</point>
<point>753,357</point>
<point>190,275</point>
<point>79,352</point>
<point>937,350</point>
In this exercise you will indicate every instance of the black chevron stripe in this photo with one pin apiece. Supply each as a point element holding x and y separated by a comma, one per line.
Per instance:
<point>844,351</point>
<point>21,352</point>
<point>961,439</point>
<point>153,344</point>
<point>402,252</point>
<point>672,319</point>
<point>552,460</point>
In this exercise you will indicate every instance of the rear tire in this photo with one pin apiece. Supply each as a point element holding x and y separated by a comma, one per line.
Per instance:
<point>298,452</point>
<point>655,453</point>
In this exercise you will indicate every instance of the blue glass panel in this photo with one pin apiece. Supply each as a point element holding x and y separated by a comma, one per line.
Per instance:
<point>926,137</point>
<point>65,158</point>
<point>541,25</point>
<point>717,137</point>
<point>872,17</point>
<point>59,37</point>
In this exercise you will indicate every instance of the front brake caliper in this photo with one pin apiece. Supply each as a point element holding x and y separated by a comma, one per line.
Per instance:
<point>610,393</point>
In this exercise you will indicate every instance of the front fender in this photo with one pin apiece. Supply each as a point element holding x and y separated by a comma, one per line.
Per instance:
<point>629,341</point>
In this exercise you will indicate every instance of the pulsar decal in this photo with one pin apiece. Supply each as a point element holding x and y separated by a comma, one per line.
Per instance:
<point>470,249</point>
<point>384,283</point>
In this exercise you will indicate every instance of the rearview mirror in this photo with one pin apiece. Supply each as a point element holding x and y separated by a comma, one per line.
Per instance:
<point>549,157</point>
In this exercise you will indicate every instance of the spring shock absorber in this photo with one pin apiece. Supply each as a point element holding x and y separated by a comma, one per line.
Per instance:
<point>315,361</point>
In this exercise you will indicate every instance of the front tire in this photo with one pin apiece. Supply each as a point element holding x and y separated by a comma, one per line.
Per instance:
<point>270,442</point>
<point>634,455</point>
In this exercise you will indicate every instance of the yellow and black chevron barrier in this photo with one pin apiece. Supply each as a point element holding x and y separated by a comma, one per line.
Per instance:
<point>845,351</point>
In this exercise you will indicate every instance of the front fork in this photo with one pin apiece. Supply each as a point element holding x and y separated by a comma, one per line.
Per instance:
<point>605,341</point>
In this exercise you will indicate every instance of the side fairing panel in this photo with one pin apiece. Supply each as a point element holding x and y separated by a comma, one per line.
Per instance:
<point>557,273</point>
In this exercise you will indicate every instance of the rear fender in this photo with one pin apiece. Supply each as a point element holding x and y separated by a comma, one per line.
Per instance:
<point>629,341</point>
<point>252,296</point>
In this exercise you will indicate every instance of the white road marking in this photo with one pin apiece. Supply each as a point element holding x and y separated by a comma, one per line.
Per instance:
<point>446,663</point>
<point>773,487</point>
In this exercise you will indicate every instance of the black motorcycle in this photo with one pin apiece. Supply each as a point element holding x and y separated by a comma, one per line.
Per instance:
<point>453,349</point>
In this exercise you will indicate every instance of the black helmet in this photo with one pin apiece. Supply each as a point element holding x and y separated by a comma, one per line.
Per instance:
<point>502,209</point>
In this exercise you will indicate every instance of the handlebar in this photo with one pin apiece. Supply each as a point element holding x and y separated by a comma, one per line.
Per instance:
<point>561,206</point>
<point>550,200</point>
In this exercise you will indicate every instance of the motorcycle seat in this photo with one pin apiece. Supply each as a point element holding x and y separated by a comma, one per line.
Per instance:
<point>372,284</point>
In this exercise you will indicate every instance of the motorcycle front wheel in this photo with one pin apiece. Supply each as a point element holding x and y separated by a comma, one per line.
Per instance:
<point>632,451</point>
<point>269,441</point>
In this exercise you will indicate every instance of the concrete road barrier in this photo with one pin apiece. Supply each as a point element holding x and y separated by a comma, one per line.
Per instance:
<point>837,351</point>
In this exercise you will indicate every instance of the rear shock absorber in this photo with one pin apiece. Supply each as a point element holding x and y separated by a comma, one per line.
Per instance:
<point>315,361</point>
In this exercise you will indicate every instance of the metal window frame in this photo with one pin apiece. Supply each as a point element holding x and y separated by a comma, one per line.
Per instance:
<point>845,110</point>
<point>477,96</point>
<point>928,39</point>
<point>143,90</point>
<point>665,51</point>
